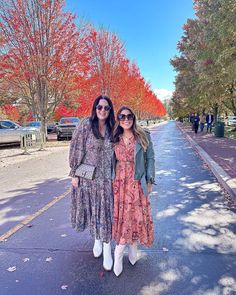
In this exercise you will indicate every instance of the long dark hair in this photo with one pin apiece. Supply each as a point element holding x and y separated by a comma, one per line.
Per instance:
<point>110,121</point>
<point>138,132</point>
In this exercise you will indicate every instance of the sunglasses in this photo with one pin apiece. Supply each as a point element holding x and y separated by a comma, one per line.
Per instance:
<point>100,107</point>
<point>122,117</point>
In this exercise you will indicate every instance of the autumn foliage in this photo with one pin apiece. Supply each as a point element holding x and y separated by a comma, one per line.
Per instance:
<point>206,64</point>
<point>11,112</point>
<point>57,69</point>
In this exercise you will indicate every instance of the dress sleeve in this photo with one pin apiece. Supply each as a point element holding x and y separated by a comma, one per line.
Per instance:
<point>150,158</point>
<point>77,146</point>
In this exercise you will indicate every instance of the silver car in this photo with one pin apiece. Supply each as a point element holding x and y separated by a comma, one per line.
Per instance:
<point>231,121</point>
<point>10,131</point>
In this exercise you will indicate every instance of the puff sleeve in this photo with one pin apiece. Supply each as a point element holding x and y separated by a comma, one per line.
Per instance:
<point>78,145</point>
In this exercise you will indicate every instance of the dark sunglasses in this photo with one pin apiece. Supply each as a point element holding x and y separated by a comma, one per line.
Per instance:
<point>122,117</point>
<point>100,107</point>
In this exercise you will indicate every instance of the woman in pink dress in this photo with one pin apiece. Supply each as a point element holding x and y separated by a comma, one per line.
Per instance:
<point>133,174</point>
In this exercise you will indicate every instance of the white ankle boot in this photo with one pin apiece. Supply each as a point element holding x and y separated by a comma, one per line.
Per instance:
<point>118,264</point>
<point>107,257</point>
<point>133,251</point>
<point>97,248</point>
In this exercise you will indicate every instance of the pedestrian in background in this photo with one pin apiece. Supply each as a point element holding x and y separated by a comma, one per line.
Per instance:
<point>196,123</point>
<point>134,172</point>
<point>191,118</point>
<point>202,121</point>
<point>92,199</point>
<point>209,121</point>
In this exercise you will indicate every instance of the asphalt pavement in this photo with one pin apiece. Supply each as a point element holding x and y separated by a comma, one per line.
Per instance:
<point>195,241</point>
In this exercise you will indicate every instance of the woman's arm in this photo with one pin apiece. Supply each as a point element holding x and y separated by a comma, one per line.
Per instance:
<point>77,147</point>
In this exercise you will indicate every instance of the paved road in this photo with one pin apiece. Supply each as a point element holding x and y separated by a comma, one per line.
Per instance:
<point>193,253</point>
<point>29,185</point>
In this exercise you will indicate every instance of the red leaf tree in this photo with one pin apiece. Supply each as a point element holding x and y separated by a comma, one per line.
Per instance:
<point>42,56</point>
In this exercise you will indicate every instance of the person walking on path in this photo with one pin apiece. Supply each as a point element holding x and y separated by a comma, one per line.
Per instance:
<point>196,123</point>
<point>191,118</point>
<point>209,121</point>
<point>92,200</point>
<point>133,174</point>
<point>202,121</point>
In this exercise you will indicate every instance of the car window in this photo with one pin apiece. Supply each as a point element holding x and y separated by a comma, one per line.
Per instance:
<point>69,120</point>
<point>34,124</point>
<point>7,125</point>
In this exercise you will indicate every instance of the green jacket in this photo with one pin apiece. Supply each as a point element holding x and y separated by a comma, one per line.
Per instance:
<point>144,164</point>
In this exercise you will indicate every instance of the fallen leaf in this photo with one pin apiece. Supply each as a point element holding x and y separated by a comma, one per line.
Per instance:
<point>63,235</point>
<point>17,281</point>
<point>11,268</point>
<point>51,219</point>
<point>29,225</point>
<point>101,274</point>
<point>64,287</point>
<point>165,249</point>
<point>26,259</point>
<point>48,259</point>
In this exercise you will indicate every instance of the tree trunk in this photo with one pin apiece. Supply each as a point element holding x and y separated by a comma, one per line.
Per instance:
<point>215,110</point>
<point>43,131</point>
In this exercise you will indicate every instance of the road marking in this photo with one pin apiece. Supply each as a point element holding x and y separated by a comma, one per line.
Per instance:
<point>28,219</point>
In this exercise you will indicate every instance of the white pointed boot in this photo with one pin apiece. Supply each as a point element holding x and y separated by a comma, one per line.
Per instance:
<point>133,251</point>
<point>97,248</point>
<point>118,264</point>
<point>107,257</point>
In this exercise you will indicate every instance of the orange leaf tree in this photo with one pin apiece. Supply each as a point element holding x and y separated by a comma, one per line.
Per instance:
<point>42,54</point>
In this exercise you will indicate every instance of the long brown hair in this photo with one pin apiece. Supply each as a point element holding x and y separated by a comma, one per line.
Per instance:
<point>139,133</point>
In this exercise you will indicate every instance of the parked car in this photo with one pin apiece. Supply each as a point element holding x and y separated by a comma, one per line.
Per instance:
<point>231,121</point>
<point>51,127</point>
<point>36,124</point>
<point>66,127</point>
<point>10,131</point>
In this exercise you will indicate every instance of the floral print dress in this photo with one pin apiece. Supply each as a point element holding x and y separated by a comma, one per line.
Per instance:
<point>92,201</point>
<point>132,219</point>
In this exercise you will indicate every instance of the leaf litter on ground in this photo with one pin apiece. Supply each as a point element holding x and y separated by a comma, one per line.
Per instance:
<point>11,268</point>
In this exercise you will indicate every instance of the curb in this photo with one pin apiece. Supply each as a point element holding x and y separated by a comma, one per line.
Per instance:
<point>223,178</point>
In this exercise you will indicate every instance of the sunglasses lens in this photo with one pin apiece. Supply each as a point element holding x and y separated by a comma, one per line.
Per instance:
<point>121,117</point>
<point>130,117</point>
<point>107,108</point>
<point>99,107</point>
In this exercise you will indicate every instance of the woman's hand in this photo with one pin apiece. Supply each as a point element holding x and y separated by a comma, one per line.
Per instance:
<point>75,182</point>
<point>149,187</point>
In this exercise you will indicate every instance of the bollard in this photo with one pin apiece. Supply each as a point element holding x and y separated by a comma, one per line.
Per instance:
<point>31,140</point>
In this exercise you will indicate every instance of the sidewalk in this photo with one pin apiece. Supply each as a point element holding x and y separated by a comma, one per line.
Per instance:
<point>218,153</point>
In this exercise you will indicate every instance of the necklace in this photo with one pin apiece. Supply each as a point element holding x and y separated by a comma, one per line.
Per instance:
<point>127,139</point>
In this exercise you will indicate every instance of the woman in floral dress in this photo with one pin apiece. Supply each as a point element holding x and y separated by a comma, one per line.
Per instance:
<point>134,172</point>
<point>92,200</point>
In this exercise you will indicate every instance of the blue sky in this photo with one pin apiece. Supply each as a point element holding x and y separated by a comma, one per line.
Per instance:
<point>149,29</point>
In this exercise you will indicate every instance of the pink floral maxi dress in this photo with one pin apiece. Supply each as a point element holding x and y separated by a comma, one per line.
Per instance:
<point>132,219</point>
